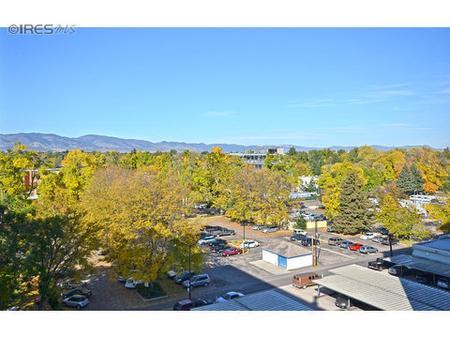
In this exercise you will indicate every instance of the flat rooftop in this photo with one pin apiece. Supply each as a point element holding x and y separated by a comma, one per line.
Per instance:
<point>287,249</point>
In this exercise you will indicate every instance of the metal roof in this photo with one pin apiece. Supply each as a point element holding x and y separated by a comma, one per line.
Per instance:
<point>383,291</point>
<point>270,300</point>
<point>421,264</point>
<point>441,243</point>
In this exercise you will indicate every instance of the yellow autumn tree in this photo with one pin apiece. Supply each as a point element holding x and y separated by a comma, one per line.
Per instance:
<point>139,214</point>
<point>330,183</point>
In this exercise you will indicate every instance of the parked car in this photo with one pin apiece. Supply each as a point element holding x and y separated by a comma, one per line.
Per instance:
<point>385,240</point>
<point>81,290</point>
<point>335,241</point>
<point>297,238</point>
<point>187,304</point>
<point>345,244</point>
<point>300,232</point>
<point>197,280</point>
<point>367,249</point>
<point>171,274</point>
<point>303,280</point>
<point>220,248</point>
<point>209,228</point>
<point>271,229</point>
<point>76,301</point>
<point>257,227</point>
<point>206,240</point>
<point>229,296</point>
<point>217,242</point>
<point>342,302</point>
<point>355,246</point>
<point>183,277</point>
<point>320,218</point>
<point>231,252</point>
<point>131,283</point>
<point>309,241</point>
<point>330,227</point>
<point>224,232</point>
<point>249,243</point>
<point>376,239</point>
<point>398,270</point>
<point>383,231</point>
<point>368,235</point>
<point>443,283</point>
<point>377,264</point>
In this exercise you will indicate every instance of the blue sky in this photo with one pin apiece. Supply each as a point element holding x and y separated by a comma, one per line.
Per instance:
<point>312,87</point>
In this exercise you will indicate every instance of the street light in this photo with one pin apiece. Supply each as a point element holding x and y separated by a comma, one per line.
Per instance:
<point>189,263</point>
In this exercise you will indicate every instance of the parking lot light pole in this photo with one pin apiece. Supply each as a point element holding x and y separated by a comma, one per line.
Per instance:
<point>189,263</point>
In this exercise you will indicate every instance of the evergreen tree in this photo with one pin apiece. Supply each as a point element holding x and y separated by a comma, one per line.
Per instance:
<point>409,180</point>
<point>355,214</point>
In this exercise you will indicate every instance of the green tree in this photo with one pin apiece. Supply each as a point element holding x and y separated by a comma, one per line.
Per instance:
<point>409,180</point>
<point>354,209</point>
<point>402,222</point>
<point>300,223</point>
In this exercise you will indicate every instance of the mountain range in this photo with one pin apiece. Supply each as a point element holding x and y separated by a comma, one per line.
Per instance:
<point>52,142</point>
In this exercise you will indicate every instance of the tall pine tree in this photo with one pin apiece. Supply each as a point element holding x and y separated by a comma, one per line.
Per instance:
<point>355,214</point>
<point>410,180</point>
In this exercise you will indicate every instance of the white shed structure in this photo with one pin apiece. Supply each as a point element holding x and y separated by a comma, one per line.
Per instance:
<point>287,256</point>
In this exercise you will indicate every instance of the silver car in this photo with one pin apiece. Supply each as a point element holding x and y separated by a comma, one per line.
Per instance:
<point>367,249</point>
<point>76,301</point>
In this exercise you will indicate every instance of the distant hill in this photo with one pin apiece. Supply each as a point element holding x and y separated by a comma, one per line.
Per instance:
<point>52,142</point>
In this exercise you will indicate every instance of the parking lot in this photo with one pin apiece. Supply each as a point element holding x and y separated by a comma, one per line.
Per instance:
<point>234,273</point>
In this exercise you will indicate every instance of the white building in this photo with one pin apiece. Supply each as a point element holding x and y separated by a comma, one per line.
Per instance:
<point>287,256</point>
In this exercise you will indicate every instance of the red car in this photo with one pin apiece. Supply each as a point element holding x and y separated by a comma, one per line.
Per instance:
<point>356,246</point>
<point>231,252</point>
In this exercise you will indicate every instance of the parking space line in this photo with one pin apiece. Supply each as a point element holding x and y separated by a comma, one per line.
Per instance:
<point>337,253</point>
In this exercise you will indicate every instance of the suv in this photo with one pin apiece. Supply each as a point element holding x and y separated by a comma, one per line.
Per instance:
<point>335,241</point>
<point>187,304</point>
<point>297,237</point>
<point>197,280</point>
<point>81,290</point>
<point>309,241</point>
<point>183,277</point>
<point>378,264</point>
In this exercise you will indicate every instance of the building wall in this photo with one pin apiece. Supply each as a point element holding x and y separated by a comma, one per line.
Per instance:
<point>320,224</point>
<point>270,257</point>
<point>299,262</point>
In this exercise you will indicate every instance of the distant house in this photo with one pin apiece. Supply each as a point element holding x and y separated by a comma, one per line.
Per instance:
<point>305,183</point>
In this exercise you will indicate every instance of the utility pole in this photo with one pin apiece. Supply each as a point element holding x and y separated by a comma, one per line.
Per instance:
<point>189,260</point>
<point>314,245</point>
<point>243,243</point>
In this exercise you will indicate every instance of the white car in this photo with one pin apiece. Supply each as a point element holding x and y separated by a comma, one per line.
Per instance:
<point>131,283</point>
<point>229,296</point>
<point>250,243</point>
<point>206,240</point>
<point>300,232</point>
<point>368,235</point>
<point>76,301</point>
